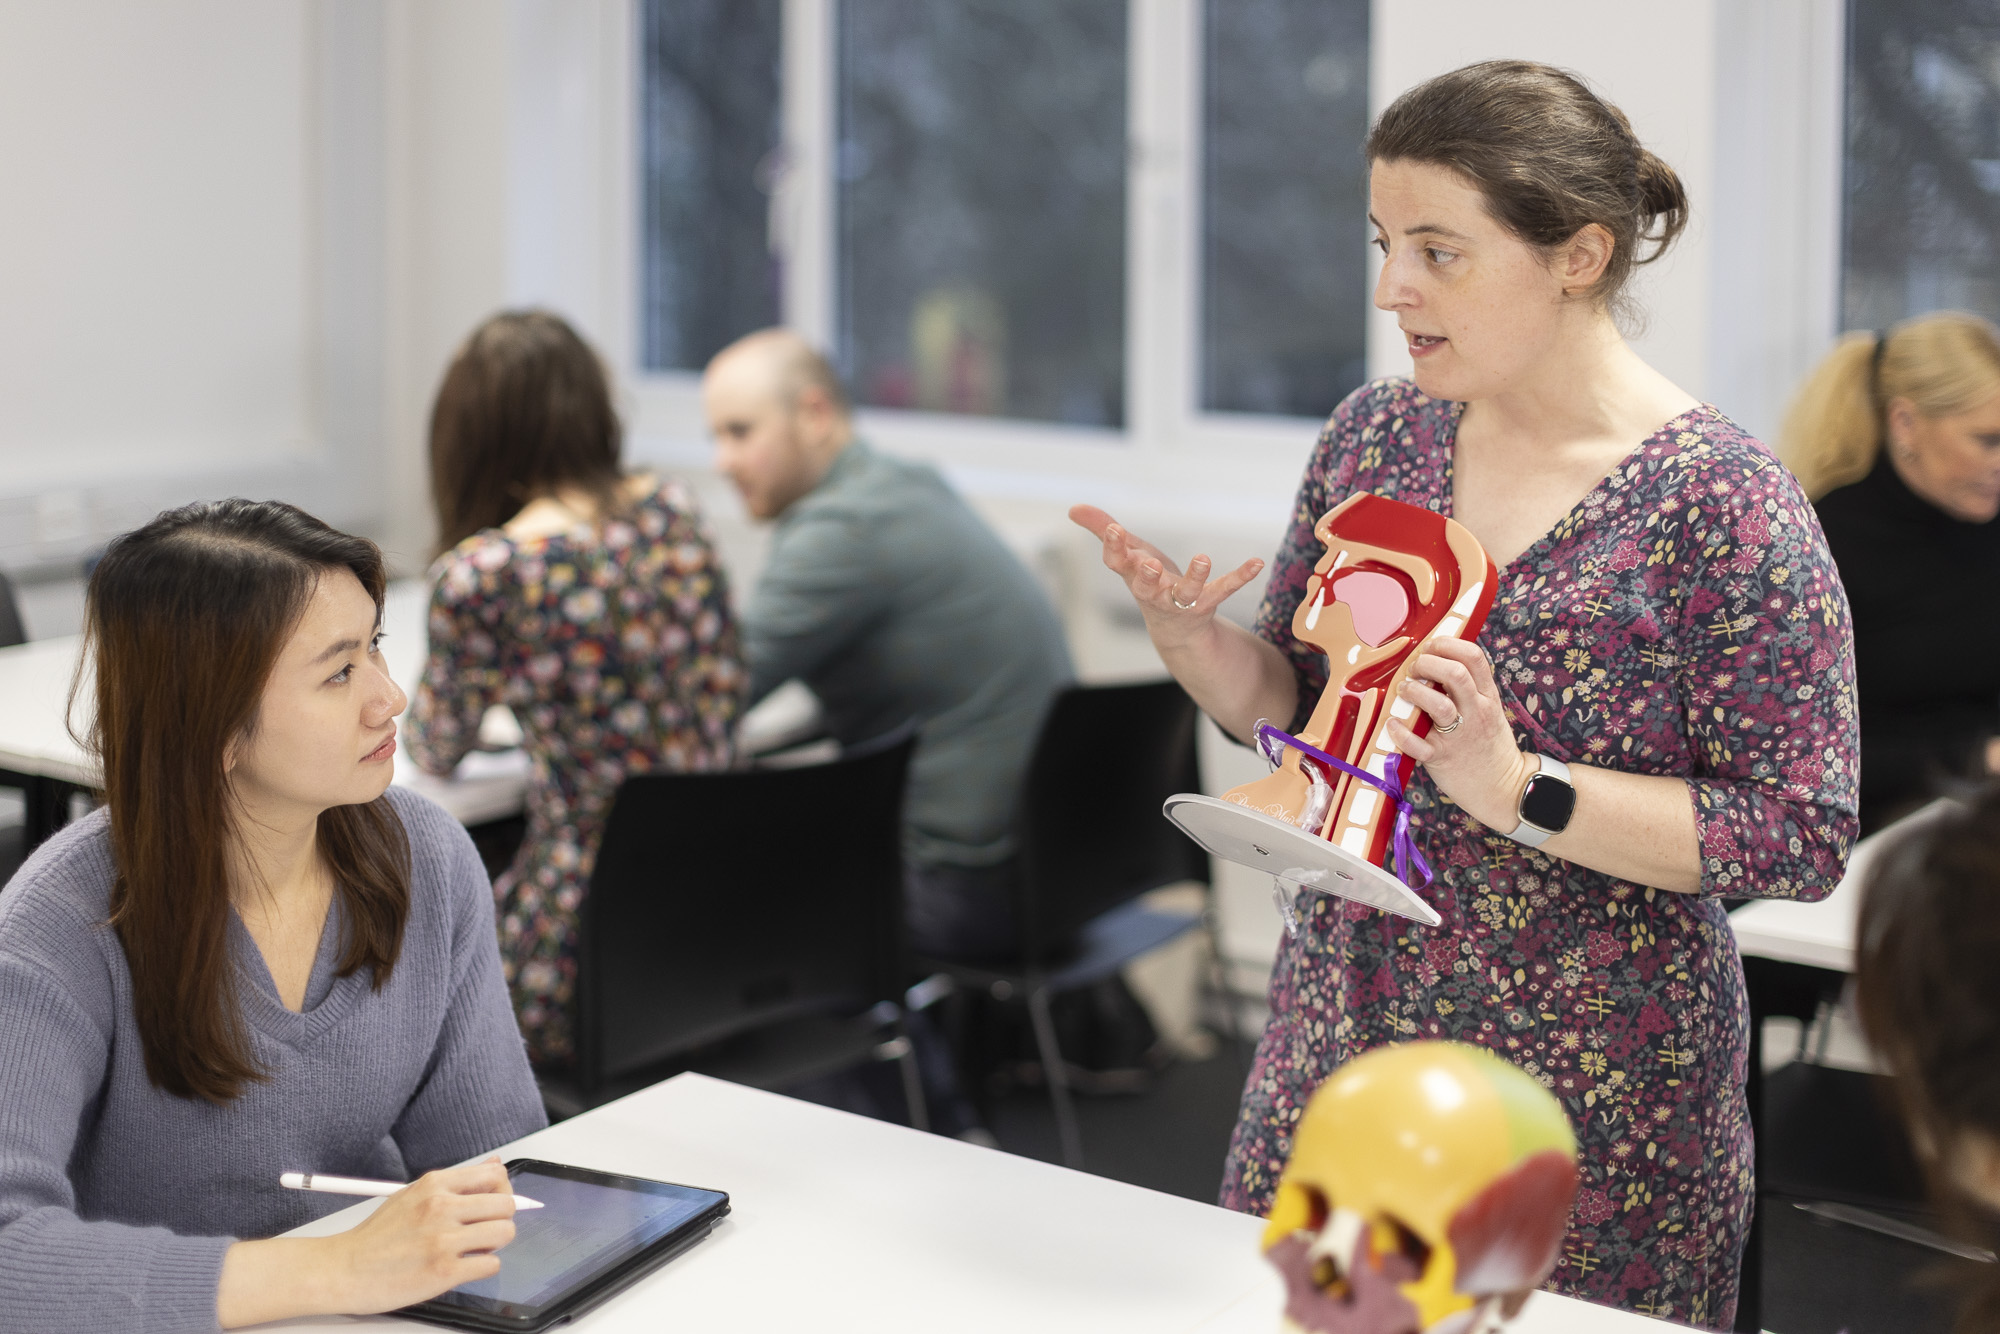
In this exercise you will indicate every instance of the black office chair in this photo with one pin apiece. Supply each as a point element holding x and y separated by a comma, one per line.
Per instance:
<point>1092,841</point>
<point>45,800</point>
<point>745,925</point>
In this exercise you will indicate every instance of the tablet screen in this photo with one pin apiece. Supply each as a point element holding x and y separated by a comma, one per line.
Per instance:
<point>589,1223</point>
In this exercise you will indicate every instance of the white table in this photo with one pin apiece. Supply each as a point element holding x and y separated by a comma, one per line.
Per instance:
<point>842,1223</point>
<point>35,681</point>
<point>1819,934</point>
<point>488,785</point>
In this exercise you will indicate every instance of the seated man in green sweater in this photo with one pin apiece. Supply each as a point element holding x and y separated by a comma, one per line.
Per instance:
<point>893,601</point>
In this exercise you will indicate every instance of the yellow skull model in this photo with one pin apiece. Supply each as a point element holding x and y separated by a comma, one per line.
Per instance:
<point>1427,1181</point>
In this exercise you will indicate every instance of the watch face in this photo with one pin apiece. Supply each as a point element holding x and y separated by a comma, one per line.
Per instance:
<point>1548,803</point>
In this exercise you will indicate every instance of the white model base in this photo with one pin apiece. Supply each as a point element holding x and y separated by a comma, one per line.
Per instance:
<point>1265,843</point>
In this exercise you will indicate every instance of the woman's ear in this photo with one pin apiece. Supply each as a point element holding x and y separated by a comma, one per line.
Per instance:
<point>1585,258</point>
<point>1902,420</point>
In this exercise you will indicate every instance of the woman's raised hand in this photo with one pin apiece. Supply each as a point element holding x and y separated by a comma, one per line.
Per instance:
<point>1178,605</point>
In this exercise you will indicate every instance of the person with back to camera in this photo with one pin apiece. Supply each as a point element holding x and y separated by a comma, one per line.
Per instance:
<point>893,601</point>
<point>590,602</point>
<point>1896,437</point>
<point>1667,622</point>
<point>1929,999</point>
<point>256,958</point>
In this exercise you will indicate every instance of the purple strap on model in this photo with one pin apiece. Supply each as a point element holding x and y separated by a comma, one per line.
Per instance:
<point>1408,855</point>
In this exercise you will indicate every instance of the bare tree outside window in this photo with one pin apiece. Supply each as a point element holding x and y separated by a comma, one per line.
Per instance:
<point>1921,226</point>
<point>709,135</point>
<point>1284,282</point>
<point>981,168</point>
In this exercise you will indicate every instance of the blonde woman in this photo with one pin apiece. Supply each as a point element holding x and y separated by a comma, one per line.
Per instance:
<point>1896,437</point>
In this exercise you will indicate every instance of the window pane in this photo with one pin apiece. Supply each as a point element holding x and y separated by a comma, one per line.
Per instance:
<point>1284,281</point>
<point>1922,218</point>
<point>710,132</point>
<point>982,206</point>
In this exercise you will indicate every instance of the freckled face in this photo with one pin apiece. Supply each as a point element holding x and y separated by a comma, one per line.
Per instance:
<point>1480,310</point>
<point>325,731</point>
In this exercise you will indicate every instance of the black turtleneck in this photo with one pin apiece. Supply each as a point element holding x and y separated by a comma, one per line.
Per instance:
<point>1926,641</point>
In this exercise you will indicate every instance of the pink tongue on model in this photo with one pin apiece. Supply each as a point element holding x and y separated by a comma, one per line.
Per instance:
<point>1376,601</point>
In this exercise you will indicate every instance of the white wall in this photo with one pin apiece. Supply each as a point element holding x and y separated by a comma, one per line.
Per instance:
<point>156,292</point>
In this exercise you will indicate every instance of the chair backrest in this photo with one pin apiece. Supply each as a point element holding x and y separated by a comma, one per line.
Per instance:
<point>12,632</point>
<point>1092,833</point>
<point>722,902</point>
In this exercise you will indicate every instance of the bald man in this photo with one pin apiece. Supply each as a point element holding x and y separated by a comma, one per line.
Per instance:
<point>893,601</point>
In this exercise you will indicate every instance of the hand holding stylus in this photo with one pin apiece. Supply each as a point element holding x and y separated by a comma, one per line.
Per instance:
<point>441,1230</point>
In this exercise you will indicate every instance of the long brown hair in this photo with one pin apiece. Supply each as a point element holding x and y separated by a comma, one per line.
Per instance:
<point>1929,998</point>
<point>1944,363</point>
<point>524,410</point>
<point>1550,156</point>
<point>184,619</point>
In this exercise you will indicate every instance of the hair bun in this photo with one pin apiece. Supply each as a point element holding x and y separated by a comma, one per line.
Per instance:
<point>1663,201</point>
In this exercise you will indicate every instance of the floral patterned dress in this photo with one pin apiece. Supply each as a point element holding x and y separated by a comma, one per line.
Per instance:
<point>616,649</point>
<point>1683,619</point>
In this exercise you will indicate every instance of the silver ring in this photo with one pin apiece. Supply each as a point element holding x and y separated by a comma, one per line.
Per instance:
<point>1184,606</point>
<point>1451,726</point>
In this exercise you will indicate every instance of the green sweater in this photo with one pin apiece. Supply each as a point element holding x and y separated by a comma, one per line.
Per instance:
<point>893,601</point>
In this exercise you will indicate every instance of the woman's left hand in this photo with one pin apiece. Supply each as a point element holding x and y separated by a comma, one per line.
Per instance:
<point>1477,762</point>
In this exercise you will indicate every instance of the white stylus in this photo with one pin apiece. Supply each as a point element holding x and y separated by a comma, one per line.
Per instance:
<point>327,1185</point>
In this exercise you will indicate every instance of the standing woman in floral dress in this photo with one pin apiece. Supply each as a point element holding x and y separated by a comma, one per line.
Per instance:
<point>587,600</point>
<point>1668,623</point>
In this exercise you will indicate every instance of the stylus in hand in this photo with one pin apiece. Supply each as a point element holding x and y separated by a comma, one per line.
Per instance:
<point>327,1185</point>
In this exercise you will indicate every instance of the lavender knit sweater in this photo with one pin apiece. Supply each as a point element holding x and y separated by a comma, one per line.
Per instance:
<point>118,1200</point>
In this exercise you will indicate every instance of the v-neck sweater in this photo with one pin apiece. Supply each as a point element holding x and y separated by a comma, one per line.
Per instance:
<point>118,1200</point>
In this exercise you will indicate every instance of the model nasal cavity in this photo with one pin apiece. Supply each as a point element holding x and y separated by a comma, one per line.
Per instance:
<point>1376,601</point>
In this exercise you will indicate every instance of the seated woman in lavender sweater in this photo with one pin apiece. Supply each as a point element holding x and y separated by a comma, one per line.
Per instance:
<point>256,958</point>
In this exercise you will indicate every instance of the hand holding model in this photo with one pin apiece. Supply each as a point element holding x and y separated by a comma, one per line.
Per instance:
<point>1470,752</point>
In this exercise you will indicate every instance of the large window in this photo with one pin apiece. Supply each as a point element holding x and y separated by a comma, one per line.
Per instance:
<point>982,206</point>
<point>1284,214</point>
<point>1093,218</point>
<point>1922,188</point>
<point>710,138</point>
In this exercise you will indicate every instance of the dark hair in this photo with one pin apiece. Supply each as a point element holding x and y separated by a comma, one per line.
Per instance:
<point>1929,996</point>
<point>524,409</point>
<point>183,621</point>
<point>1550,156</point>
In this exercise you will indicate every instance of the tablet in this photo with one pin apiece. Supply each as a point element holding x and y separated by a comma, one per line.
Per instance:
<point>595,1235</point>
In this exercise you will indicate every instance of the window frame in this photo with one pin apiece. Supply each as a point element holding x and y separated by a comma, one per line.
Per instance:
<point>1167,437</point>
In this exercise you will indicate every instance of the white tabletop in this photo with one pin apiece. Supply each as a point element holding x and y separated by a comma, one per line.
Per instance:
<point>34,689</point>
<point>487,785</point>
<point>842,1223</point>
<point>1820,934</point>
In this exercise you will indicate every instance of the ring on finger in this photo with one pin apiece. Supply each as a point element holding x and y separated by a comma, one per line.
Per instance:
<point>1184,606</point>
<point>1451,726</point>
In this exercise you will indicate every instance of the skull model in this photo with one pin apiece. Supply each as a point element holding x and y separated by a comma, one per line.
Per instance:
<point>1428,1181</point>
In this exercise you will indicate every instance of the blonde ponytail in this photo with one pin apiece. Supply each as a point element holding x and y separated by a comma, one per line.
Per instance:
<point>1833,431</point>
<point>1944,364</point>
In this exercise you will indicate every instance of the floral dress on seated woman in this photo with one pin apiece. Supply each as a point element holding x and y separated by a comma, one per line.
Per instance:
<point>590,603</point>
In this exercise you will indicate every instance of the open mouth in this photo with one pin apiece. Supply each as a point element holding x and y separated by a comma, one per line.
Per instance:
<point>1422,343</point>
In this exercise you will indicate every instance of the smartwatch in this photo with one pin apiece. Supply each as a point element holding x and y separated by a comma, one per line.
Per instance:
<point>1547,802</point>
